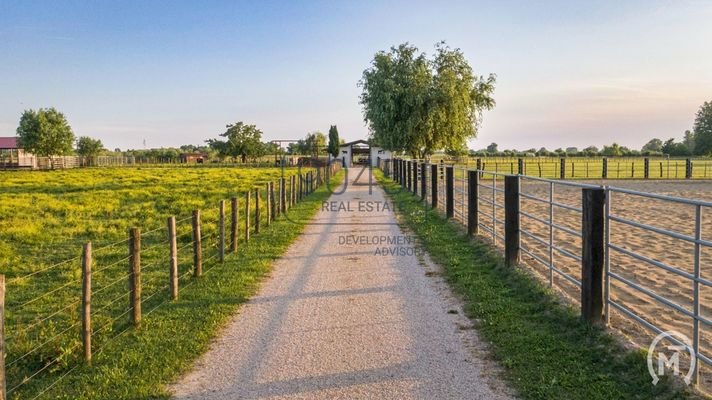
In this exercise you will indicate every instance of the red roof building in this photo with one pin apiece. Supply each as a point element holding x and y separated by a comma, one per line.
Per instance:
<point>12,156</point>
<point>8,143</point>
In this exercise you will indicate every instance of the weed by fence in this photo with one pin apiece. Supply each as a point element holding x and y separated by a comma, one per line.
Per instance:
<point>81,311</point>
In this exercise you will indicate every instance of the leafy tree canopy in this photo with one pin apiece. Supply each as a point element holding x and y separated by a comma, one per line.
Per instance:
<point>703,130</point>
<point>333,141</point>
<point>243,141</point>
<point>418,106</point>
<point>88,147</point>
<point>653,145</point>
<point>45,133</point>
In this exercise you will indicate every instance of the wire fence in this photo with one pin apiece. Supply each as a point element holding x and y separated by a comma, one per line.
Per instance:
<point>654,249</point>
<point>58,317</point>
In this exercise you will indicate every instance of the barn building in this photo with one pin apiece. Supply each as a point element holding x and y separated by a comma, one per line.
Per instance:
<point>12,156</point>
<point>361,152</point>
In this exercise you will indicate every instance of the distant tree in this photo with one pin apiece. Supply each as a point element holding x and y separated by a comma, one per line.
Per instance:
<point>243,141</point>
<point>571,150</point>
<point>314,142</point>
<point>613,150</point>
<point>703,130</point>
<point>45,133</point>
<point>590,151</point>
<point>689,141</point>
<point>89,148</point>
<point>334,141</point>
<point>492,148</point>
<point>653,145</point>
<point>674,149</point>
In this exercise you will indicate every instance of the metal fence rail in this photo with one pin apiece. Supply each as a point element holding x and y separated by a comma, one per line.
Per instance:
<point>545,240</point>
<point>695,279</point>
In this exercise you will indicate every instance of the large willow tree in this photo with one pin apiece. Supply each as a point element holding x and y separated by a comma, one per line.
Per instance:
<point>415,105</point>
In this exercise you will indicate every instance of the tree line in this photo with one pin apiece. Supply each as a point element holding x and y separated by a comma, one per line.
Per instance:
<point>46,133</point>
<point>697,142</point>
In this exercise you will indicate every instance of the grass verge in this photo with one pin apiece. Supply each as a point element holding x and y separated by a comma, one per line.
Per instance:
<point>137,363</point>
<point>547,351</point>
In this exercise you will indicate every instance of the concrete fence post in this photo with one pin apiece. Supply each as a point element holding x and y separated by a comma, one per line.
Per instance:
<point>511,220</point>
<point>593,248</point>
<point>473,216</point>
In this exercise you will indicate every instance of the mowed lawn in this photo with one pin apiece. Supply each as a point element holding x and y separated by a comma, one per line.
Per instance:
<point>45,217</point>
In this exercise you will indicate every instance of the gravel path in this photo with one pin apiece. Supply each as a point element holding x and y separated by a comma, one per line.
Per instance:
<point>338,319</point>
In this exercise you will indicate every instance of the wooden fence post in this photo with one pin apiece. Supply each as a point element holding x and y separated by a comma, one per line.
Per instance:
<point>3,383</point>
<point>511,220</point>
<point>247,217</point>
<point>395,170</point>
<point>234,221</point>
<point>301,189</point>
<point>173,268</point>
<point>197,245</point>
<point>257,210</point>
<point>221,229</point>
<point>688,168</point>
<point>605,168</point>
<point>473,215</point>
<point>409,175</point>
<point>292,190</point>
<point>520,166</point>
<point>86,301</point>
<point>268,203</point>
<point>416,168</point>
<point>449,192</point>
<point>135,276</point>
<point>593,247</point>
<point>646,168</point>
<point>562,168</point>
<point>273,206</point>
<point>282,195</point>
<point>434,185</point>
<point>404,173</point>
<point>423,180</point>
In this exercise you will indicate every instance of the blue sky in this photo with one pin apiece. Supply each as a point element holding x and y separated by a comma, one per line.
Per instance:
<point>170,73</point>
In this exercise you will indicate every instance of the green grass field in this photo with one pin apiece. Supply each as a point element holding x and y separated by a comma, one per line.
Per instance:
<point>47,216</point>
<point>592,168</point>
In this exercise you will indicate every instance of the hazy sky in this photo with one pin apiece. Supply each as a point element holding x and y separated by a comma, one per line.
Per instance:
<point>569,73</point>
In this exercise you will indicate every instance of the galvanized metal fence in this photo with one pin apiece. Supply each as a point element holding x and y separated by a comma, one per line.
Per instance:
<point>573,231</point>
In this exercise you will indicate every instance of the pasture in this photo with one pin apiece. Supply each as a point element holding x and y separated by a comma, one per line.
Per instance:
<point>48,216</point>
<point>592,167</point>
